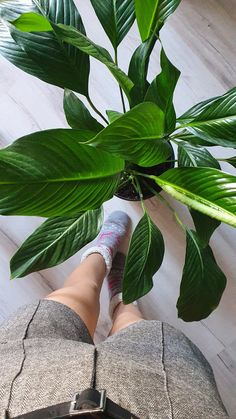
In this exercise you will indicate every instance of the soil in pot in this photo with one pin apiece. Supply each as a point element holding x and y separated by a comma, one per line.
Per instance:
<point>128,192</point>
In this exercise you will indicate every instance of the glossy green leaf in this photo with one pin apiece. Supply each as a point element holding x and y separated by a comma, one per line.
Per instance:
<point>41,53</point>
<point>73,37</point>
<point>116,17</point>
<point>31,22</point>
<point>55,241</point>
<point>49,174</point>
<point>203,282</point>
<point>152,15</point>
<point>138,69</point>
<point>113,116</point>
<point>162,89</point>
<point>213,121</point>
<point>206,190</point>
<point>195,156</point>
<point>136,136</point>
<point>77,115</point>
<point>205,226</point>
<point>144,258</point>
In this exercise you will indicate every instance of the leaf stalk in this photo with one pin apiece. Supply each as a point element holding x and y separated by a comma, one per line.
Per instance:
<point>121,91</point>
<point>96,110</point>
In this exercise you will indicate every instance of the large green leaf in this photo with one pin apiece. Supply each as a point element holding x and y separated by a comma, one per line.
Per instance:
<point>213,121</point>
<point>55,241</point>
<point>203,282</point>
<point>205,226</point>
<point>136,136</point>
<point>138,69</point>
<point>206,190</point>
<point>145,256</point>
<point>116,17</point>
<point>77,114</point>
<point>162,89</point>
<point>41,53</point>
<point>153,15</point>
<point>49,174</point>
<point>194,156</point>
<point>73,37</point>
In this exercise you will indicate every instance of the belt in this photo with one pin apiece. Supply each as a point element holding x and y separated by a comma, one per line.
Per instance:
<point>90,403</point>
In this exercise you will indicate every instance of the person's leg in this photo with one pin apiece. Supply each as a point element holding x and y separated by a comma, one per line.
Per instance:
<point>81,290</point>
<point>122,315</point>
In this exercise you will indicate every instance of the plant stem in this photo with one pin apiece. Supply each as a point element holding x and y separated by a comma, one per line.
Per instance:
<point>124,183</point>
<point>121,91</point>
<point>133,172</point>
<point>139,190</point>
<point>96,110</point>
<point>171,161</point>
<point>162,199</point>
<point>177,135</point>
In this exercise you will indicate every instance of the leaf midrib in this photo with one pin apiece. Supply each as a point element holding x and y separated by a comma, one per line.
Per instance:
<point>56,240</point>
<point>192,196</point>
<point>208,121</point>
<point>189,154</point>
<point>115,21</point>
<point>59,180</point>
<point>95,140</point>
<point>148,246</point>
<point>198,251</point>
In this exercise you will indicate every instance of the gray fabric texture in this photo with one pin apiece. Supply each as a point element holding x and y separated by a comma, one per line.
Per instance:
<point>150,368</point>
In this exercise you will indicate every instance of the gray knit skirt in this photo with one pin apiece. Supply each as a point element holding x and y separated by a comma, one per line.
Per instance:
<point>149,368</point>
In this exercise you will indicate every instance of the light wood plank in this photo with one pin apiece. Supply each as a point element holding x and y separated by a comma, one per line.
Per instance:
<point>14,294</point>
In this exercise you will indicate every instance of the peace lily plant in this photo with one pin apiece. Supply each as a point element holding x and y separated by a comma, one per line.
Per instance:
<point>67,174</point>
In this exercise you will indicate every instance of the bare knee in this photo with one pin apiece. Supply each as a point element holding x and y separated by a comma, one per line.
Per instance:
<point>124,316</point>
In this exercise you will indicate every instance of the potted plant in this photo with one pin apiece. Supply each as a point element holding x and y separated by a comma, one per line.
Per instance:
<point>67,174</point>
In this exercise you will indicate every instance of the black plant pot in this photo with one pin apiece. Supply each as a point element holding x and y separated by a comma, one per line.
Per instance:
<point>128,191</point>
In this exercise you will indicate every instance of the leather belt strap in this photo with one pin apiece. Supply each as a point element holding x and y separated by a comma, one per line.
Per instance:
<point>90,403</point>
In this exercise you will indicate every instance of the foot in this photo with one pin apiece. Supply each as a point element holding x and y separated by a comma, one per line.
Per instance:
<point>113,231</point>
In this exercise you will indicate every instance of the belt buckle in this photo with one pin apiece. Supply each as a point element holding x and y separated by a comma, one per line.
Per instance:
<point>100,409</point>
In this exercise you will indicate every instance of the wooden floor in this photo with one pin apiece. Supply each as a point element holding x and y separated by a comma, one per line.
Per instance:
<point>201,41</point>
